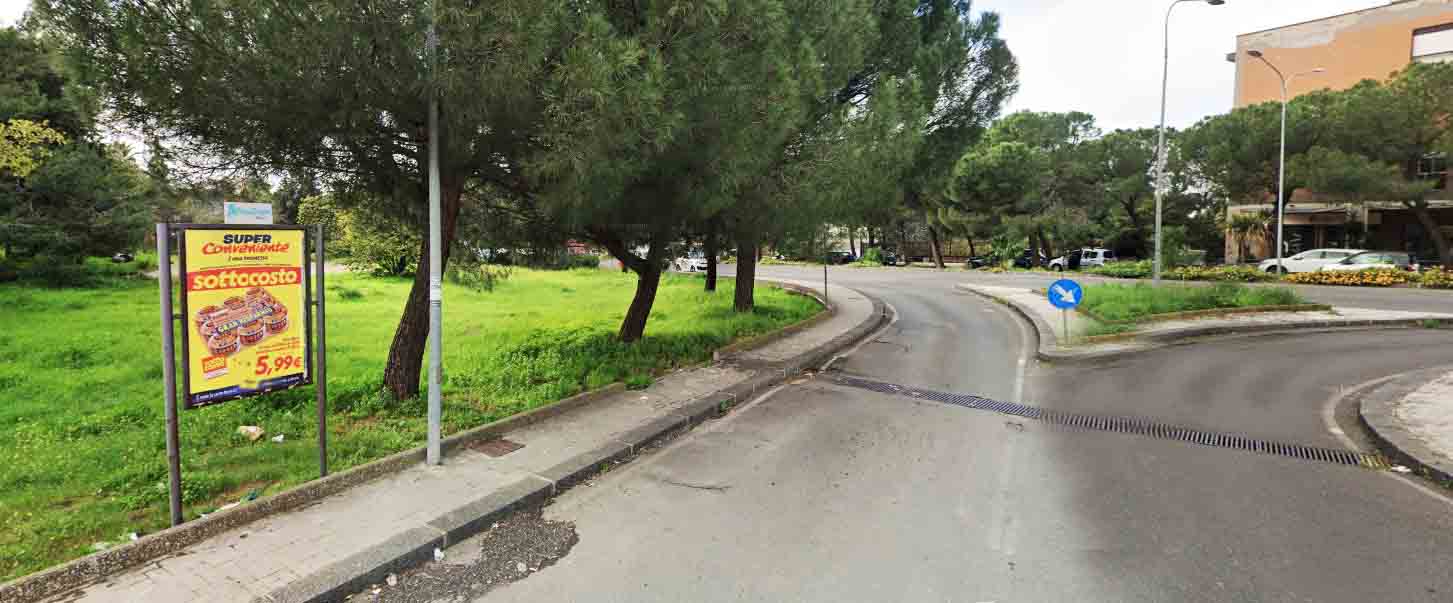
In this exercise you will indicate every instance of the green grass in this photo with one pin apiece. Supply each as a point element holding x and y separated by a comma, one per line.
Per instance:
<point>1095,328</point>
<point>1117,302</point>
<point>82,418</point>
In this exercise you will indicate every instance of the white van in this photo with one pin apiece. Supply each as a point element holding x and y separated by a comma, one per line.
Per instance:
<point>1083,258</point>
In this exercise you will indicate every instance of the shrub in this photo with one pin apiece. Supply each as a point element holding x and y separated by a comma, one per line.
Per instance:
<point>1437,278</point>
<point>480,277</point>
<point>873,256</point>
<point>57,272</point>
<point>1234,274</point>
<point>1373,277</point>
<point>585,260</point>
<point>1140,269</point>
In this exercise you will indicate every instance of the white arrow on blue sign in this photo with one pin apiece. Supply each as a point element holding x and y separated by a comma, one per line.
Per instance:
<point>1066,294</point>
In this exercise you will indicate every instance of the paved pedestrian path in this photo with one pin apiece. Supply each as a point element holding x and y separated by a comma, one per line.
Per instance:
<point>291,556</point>
<point>1427,414</point>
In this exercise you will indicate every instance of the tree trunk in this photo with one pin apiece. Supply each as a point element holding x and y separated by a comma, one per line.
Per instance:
<point>1046,245</point>
<point>648,271</point>
<point>406,353</point>
<point>852,242</point>
<point>708,247</point>
<point>933,248</point>
<point>745,299</point>
<point>634,326</point>
<point>971,249</point>
<point>1034,250</point>
<point>1430,226</point>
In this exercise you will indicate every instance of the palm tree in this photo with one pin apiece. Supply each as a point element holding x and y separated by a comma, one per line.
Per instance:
<point>1245,227</point>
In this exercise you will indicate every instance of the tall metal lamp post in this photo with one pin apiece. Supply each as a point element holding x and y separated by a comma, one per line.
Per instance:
<point>1282,165</point>
<point>433,455</point>
<point>1160,142</point>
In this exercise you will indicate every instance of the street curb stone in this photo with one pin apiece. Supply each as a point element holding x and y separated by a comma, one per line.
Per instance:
<point>1048,350</point>
<point>1375,407</point>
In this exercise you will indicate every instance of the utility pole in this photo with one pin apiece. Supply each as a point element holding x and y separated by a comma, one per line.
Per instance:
<point>1160,151</point>
<point>436,264</point>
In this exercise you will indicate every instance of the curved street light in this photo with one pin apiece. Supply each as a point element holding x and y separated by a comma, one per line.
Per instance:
<point>1160,142</point>
<point>1281,176</point>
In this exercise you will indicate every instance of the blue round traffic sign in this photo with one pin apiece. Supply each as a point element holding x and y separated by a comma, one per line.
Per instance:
<point>1066,294</point>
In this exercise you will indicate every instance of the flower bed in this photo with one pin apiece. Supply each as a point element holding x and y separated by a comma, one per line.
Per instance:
<point>1437,278</point>
<point>1374,277</point>
<point>1228,274</point>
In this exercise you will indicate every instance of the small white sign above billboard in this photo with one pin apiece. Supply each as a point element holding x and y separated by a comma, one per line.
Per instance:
<point>246,213</point>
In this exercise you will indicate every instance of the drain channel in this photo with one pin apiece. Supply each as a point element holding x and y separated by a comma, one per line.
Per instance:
<point>1127,425</point>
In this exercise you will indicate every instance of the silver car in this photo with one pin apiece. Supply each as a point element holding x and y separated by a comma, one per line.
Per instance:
<point>1309,261</point>
<point>694,261</point>
<point>1372,259</point>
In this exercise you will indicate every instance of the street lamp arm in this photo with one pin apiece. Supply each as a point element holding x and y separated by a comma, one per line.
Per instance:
<point>1279,74</point>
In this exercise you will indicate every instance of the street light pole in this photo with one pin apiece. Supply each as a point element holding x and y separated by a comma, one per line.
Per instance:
<point>433,455</point>
<point>1160,150</point>
<point>1281,177</point>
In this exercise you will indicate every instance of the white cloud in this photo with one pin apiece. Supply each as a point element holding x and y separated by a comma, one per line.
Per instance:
<point>1104,57</point>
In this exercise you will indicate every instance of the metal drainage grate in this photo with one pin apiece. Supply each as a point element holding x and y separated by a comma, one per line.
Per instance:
<point>1128,425</point>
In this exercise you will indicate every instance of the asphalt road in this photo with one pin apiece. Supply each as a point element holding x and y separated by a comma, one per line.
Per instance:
<point>821,492</point>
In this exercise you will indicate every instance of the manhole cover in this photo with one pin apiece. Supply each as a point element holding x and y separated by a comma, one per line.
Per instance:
<point>497,447</point>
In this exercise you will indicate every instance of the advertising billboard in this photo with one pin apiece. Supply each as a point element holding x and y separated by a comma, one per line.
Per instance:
<point>244,296</point>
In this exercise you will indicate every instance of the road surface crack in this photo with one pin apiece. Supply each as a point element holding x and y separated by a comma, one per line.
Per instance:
<point>708,487</point>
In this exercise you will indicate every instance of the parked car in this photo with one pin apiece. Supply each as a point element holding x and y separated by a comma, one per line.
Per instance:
<point>1025,260</point>
<point>1372,259</point>
<point>1309,261</point>
<point>1081,258</point>
<point>887,258</point>
<point>693,261</point>
<point>121,257</point>
<point>977,261</point>
<point>841,257</point>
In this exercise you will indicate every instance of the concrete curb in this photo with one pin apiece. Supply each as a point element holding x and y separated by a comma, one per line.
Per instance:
<point>1048,349</point>
<point>1375,408</point>
<point>98,566</point>
<point>415,545</point>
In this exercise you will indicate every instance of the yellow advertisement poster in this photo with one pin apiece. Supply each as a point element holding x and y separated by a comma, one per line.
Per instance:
<point>243,296</point>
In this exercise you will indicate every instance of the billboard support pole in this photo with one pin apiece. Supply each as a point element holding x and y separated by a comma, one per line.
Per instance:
<point>169,371</point>
<point>320,348</point>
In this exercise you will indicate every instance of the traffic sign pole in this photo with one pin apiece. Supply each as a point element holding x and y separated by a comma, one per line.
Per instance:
<point>1064,316</point>
<point>1066,295</point>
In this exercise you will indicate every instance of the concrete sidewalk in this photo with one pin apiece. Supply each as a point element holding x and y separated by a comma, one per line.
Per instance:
<point>1035,307</point>
<point>1411,419</point>
<point>345,542</point>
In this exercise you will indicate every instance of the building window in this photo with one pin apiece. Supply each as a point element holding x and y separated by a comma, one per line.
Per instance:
<point>1435,167</point>
<point>1433,44</point>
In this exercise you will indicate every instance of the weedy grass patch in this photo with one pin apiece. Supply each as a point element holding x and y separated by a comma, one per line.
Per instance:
<point>1115,302</point>
<point>82,416</point>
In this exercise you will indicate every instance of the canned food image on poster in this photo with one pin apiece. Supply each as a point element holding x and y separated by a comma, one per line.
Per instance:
<point>240,289</point>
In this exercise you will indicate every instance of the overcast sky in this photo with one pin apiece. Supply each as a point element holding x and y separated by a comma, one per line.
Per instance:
<point>1104,57</point>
